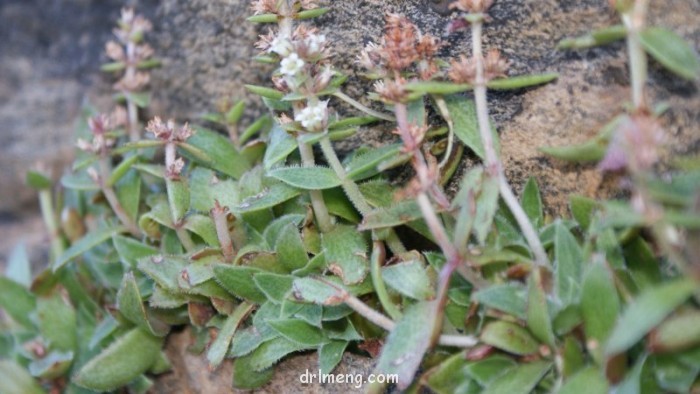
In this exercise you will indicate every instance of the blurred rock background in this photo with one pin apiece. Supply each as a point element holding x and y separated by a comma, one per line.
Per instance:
<point>50,52</point>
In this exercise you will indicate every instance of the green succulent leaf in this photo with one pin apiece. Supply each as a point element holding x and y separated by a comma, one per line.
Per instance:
<point>16,380</point>
<point>223,155</point>
<point>264,91</point>
<point>395,215</point>
<point>308,178</point>
<point>246,378</point>
<point>520,380</point>
<point>466,125</point>
<point>646,312</point>
<point>509,298</point>
<point>520,82</point>
<point>365,165</point>
<point>86,243</point>
<point>270,352</point>
<point>16,300</point>
<point>18,266</point>
<point>532,203</point>
<point>538,317</point>
<point>290,248</point>
<point>509,337</point>
<point>128,190</point>
<point>238,281</point>
<point>123,361</point>
<point>345,251</point>
<point>178,198</point>
<point>272,196</point>
<point>37,180</point>
<point>318,291</point>
<point>57,323</point>
<point>280,145</point>
<point>276,287</point>
<point>600,306</point>
<point>219,348</point>
<point>410,279</point>
<point>671,51</point>
<point>330,354</point>
<point>299,332</point>
<point>435,87</point>
<point>131,306</point>
<point>597,37</point>
<point>569,265</point>
<point>407,343</point>
<point>312,13</point>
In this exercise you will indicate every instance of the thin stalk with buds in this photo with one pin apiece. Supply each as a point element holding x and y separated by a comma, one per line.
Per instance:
<point>493,163</point>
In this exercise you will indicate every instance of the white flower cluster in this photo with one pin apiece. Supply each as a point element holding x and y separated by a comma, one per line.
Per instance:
<point>314,42</point>
<point>291,65</point>
<point>313,116</point>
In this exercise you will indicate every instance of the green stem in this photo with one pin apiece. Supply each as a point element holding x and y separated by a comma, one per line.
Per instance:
<point>442,106</point>
<point>325,223</point>
<point>378,256</point>
<point>49,216</point>
<point>362,107</point>
<point>493,163</point>
<point>353,192</point>
<point>112,199</point>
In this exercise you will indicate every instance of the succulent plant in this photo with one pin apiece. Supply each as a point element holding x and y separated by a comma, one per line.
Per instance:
<point>263,252</point>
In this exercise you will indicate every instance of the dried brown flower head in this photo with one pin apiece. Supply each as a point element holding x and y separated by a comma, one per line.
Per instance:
<point>495,66</point>
<point>391,91</point>
<point>131,26</point>
<point>462,70</point>
<point>264,7</point>
<point>167,131</point>
<point>472,6</point>
<point>399,43</point>
<point>133,82</point>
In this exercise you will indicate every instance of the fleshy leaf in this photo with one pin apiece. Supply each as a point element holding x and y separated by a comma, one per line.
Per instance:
<point>600,306</point>
<point>330,354</point>
<point>466,126</point>
<point>16,380</point>
<point>238,281</point>
<point>219,348</point>
<point>224,156</point>
<point>602,36</point>
<point>345,252</point>
<point>308,178</point>
<point>569,265</point>
<point>509,337</point>
<point>647,311</point>
<point>520,380</point>
<point>125,359</point>
<point>671,51</point>
<point>86,243</point>
<point>407,343</point>
<point>520,82</point>
<point>410,279</point>
<point>298,331</point>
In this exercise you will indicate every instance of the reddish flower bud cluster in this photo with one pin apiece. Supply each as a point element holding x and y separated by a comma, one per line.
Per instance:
<point>401,46</point>
<point>167,131</point>
<point>635,144</point>
<point>464,69</point>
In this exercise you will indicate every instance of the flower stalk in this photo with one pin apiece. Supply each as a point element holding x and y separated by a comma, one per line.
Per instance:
<point>494,165</point>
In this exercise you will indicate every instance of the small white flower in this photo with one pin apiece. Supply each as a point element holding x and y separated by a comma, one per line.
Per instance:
<point>281,46</point>
<point>313,116</point>
<point>315,42</point>
<point>291,65</point>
